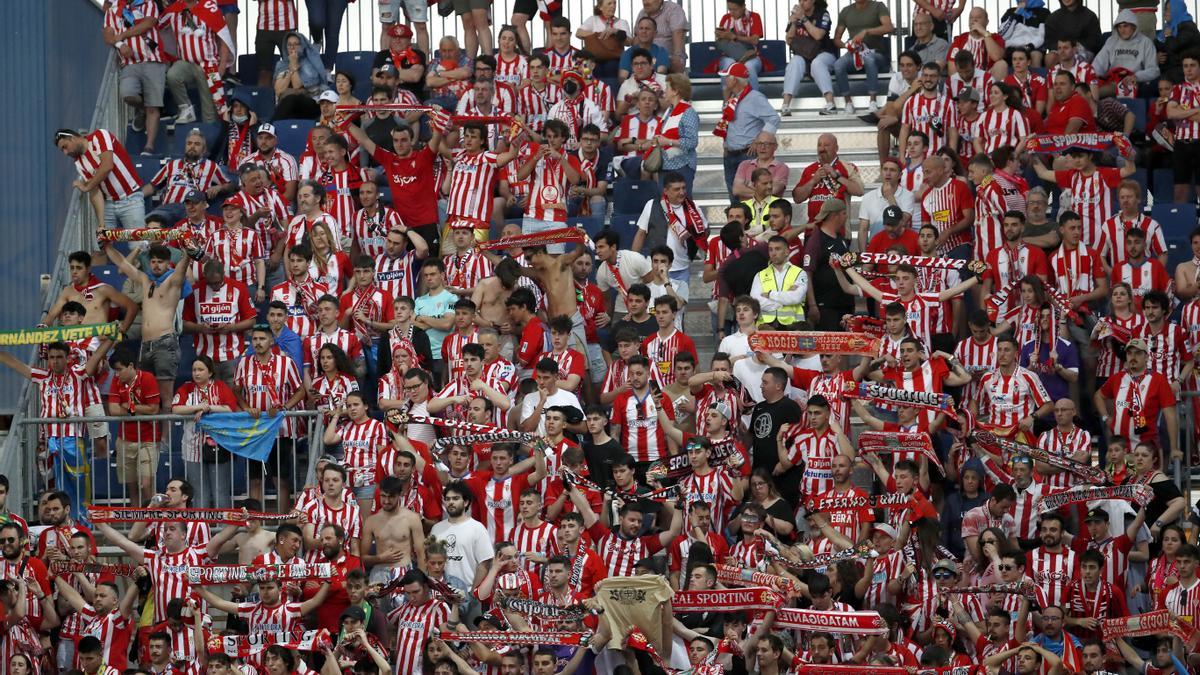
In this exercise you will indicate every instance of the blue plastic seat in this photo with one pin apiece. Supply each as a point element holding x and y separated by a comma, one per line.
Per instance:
<point>147,166</point>
<point>1137,106</point>
<point>630,196</point>
<point>626,227</point>
<point>700,56</point>
<point>357,65</point>
<point>1177,220</point>
<point>261,100</point>
<point>774,55</point>
<point>1163,186</point>
<point>293,135</point>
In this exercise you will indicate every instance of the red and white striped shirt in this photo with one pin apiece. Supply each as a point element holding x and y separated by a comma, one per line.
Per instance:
<point>511,72</point>
<point>195,41</point>
<point>1184,602</point>
<point>817,453</point>
<point>749,553</point>
<point>933,281</point>
<point>1065,445</point>
<point>347,516</point>
<point>237,248</point>
<point>301,300</point>
<point>299,229</point>
<point>182,176</point>
<point>277,15</point>
<point>998,128</point>
<point>1116,557</point>
<point>847,521</point>
<point>1081,70</point>
<point>144,48</point>
<point>63,395</point>
<point>1142,278</point>
<point>616,377</point>
<point>396,276</point>
<point>532,540</point>
<point>620,554</point>
<point>1091,198</point>
<point>662,352</point>
<point>497,500</point>
<point>534,105</point>
<point>641,434</point>
<point>361,443</point>
<point>1144,397</point>
<point>466,270</point>
<point>340,200</point>
<point>1032,90</point>
<point>452,347</point>
<point>168,572</point>
<point>1052,571</point>
<point>281,167</point>
<point>919,311</point>
<point>1187,95</point>
<point>943,206</point>
<point>344,339</point>
<point>123,180</point>
<point>195,534</point>
<point>415,624</point>
<point>714,488</point>
<point>1112,237</point>
<point>570,362</point>
<point>276,211</point>
<point>1023,512</point>
<point>1007,399</point>
<point>560,62</point>
<point>600,94</point>
<point>226,305</point>
<point>113,630</point>
<point>981,81</point>
<point>923,113</point>
<point>990,205</point>
<point>1075,270</point>
<point>269,385</point>
<point>548,192</point>
<point>886,567</point>
<point>472,186</point>
<point>1006,265</point>
<point>976,48</point>
<point>634,128</point>
<point>1107,363</point>
<point>1168,349</point>
<point>281,618</point>
<point>371,230</point>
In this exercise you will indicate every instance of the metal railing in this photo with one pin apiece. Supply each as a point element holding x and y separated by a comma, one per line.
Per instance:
<point>219,478</point>
<point>79,232</point>
<point>361,27</point>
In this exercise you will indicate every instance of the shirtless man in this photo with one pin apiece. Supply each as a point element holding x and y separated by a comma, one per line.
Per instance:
<point>96,296</point>
<point>255,540</point>
<point>396,532</point>
<point>556,276</point>
<point>161,290</point>
<point>491,292</point>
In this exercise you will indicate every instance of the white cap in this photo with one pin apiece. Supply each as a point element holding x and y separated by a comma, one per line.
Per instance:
<point>328,95</point>
<point>267,128</point>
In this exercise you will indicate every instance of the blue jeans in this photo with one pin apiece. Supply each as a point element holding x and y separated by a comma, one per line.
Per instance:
<point>72,474</point>
<point>126,213</point>
<point>797,68</point>
<point>843,67</point>
<point>754,65</point>
<point>325,21</point>
<point>535,225</point>
<point>213,482</point>
<point>680,275</point>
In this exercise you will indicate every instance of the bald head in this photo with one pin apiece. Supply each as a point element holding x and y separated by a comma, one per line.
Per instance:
<point>827,148</point>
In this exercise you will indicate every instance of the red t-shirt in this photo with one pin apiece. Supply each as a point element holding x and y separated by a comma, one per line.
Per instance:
<point>1058,114</point>
<point>414,195</point>
<point>142,391</point>
<point>533,343</point>
<point>883,240</point>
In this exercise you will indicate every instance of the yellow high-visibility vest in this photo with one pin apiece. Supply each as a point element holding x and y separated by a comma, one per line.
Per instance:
<point>786,314</point>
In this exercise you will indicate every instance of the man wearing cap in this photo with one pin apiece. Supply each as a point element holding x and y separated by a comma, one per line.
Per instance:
<point>282,169</point>
<point>576,110</point>
<point>1130,402</point>
<point>895,231</point>
<point>745,115</point>
<point>1116,550</point>
<point>946,574</point>
<point>962,133</point>
<point>828,240</point>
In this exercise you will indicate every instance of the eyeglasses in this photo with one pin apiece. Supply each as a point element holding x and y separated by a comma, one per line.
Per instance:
<point>1006,568</point>
<point>944,575</point>
<point>8,540</point>
<point>413,387</point>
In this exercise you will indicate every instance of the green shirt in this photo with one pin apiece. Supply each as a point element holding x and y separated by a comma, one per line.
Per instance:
<point>858,18</point>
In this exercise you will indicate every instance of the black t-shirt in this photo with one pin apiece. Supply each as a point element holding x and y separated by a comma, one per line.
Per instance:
<point>380,133</point>
<point>418,87</point>
<point>765,420</point>
<point>644,330</point>
<point>820,275</point>
<point>599,459</point>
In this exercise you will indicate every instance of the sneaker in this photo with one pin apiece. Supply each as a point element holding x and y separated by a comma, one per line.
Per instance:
<point>785,111</point>
<point>829,109</point>
<point>873,108</point>
<point>1161,138</point>
<point>147,153</point>
<point>849,109</point>
<point>186,114</point>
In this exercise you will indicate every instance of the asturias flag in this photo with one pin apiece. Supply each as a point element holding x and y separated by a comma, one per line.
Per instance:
<point>243,435</point>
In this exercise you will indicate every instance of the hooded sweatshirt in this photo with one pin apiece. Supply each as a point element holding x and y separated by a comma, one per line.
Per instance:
<point>1137,54</point>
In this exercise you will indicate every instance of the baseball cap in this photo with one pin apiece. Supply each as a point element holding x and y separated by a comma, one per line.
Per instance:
<point>885,528</point>
<point>969,94</point>
<point>946,564</point>
<point>828,208</point>
<point>722,408</point>
<point>736,70</point>
<point>355,613</point>
<point>388,68</point>
<point>233,201</point>
<point>1138,344</point>
<point>892,215</point>
<point>400,30</point>
<point>267,128</point>
<point>328,95</point>
<point>196,197</point>
<point>572,75</point>
<point>1096,514</point>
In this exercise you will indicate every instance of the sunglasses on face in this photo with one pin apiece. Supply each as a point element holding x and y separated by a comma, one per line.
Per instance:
<point>943,575</point>
<point>1007,568</point>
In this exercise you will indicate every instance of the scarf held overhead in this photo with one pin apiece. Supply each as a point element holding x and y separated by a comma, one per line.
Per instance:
<point>1092,474</point>
<point>816,342</point>
<point>1139,493</point>
<point>727,600</point>
<point>1054,144</point>
<point>531,637</point>
<point>244,646</point>
<point>740,576</point>
<point>560,235</point>
<point>678,466</point>
<point>845,623</point>
<point>928,400</point>
<point>886,442</point>
<point>211,575</point>
<point>60,567</point>
<point>851,259</point>
<point>112,514</point>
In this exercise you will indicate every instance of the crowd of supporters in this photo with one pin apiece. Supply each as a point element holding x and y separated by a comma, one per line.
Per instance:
<point>533,422</point>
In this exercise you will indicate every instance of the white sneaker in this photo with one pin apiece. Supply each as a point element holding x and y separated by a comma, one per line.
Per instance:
<point>829,109</point>
<point>849,109</point>
<point>873,108</point>
<point>186,114</point>
<point>785,111</point>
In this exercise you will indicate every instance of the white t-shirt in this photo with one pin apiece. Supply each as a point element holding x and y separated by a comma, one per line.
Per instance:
<point>897,86</point>
<point>872,205</point>
<point>632,266</point>
<point>632,86</point>
<point>468,546</point>
<point>560,397</point>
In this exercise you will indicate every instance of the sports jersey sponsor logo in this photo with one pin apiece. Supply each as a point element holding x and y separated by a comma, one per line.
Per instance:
<point>216,307</point>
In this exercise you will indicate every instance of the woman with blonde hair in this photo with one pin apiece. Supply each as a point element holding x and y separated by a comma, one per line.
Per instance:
<point>330,265</point>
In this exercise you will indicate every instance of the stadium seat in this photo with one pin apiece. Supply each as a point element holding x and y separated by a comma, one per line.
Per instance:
<point>212,136</point>
<point>358,66</point>
<point>630,196</point>
<point>248,66</point>
<point>774,54</point>
<point>261,100</point>
<point>293,135</point>
<point>1137,106</point>
<point>1177,220</point>
<point>147,166</point>
<point>700,56</point>
<point>626,227</point>
<point>1163,186</point>
<point>135,141</point>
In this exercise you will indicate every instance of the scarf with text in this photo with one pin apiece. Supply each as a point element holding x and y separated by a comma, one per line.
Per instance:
<point>1105,329</point>
<point>184,235</point>
<point>1138,493</point>
<point>1158,622</point>
<point>1092,474</point>
<point>739,576</point>
<point>852,259</point>
<point>729,111</point>
<point>399,417</point>
<point>47,334</point>
<point>860,552</point>
<point>1054,144</point>
<point>1025,588</point>
<point>893,501</point>
<point>815,342</point>
<point>844,623</point>
<point>691,227</point>
<point>109,514</point>
<point>529,637</point>
<point>60,567</point>
<point>213,575</point>
<point>759,599</point>
<point>245,646</point>
<point>561,235</point>
<point>867,325</point>
<point>885,442</point>
<point>927,400</point>
<point>543,610</point>
<point>678,466</point>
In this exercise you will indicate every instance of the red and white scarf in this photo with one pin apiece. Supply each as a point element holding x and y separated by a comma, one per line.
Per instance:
<point>692,224</point>
<point>505,637</point>
<point>847,623</point>
<point>668,124</point>
<point>244,646</point>
<point>61,567</point>
<point>759,599</point>
<point>111,514</point>
<point>729,111</point>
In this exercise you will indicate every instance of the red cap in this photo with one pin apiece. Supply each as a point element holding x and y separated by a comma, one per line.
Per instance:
<point>572,75</point>
<point>736,70</point>
<point>234,200</point>
<point>400,30</point>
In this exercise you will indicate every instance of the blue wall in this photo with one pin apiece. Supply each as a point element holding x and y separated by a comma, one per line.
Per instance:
<point>54,60</point>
